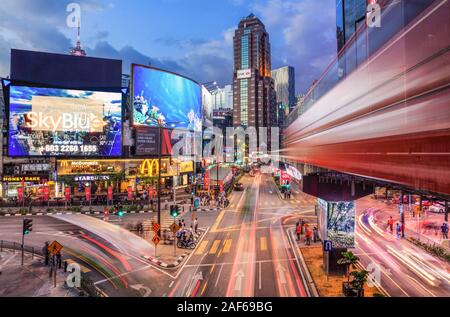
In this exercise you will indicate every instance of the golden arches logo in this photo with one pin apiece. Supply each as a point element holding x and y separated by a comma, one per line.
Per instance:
<point>149,164</point>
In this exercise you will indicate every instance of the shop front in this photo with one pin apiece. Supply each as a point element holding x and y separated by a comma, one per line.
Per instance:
<point>27,186</point>
<point>137,176</point>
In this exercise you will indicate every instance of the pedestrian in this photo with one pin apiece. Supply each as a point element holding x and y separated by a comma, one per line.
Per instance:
<point>315,234</point>
<point>196,225</point>
<point>391,224</point>
<point>46,253</point>
<point>398,230</point>
<point>180,224</point>
<point>403,229</point>
<point>308,235</point>
<point>298,230</point>
<point>58,260</point>
<point>183,224</point>
<point>444,229</point>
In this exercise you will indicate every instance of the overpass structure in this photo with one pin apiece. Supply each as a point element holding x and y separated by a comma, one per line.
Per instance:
<point>382,108</point>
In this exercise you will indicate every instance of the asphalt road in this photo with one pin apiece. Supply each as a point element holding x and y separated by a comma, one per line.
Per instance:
<point>404,269</point>
<point>246,252</point>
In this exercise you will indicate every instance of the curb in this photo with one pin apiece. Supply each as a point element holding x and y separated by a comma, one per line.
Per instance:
<point>209,209</point>
<point>308,282</point>
<point>66,213</point>
<point>164,264</point>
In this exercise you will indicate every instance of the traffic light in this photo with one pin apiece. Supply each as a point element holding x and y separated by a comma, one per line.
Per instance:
<point>174,211</point>
<point>120,213</point>
<point>27,226</point>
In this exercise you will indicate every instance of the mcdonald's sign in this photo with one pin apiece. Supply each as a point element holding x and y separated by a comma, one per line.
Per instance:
<point>147,167</point>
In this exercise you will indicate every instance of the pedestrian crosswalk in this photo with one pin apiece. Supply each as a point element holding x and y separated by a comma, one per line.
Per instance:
<point>220,247</point>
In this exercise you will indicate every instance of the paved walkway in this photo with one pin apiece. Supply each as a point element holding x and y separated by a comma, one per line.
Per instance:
<point>30,280</point>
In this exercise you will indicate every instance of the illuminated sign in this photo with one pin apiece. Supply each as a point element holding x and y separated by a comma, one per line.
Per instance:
<point>337,222</point>
<point>149,167</point>
<point>18,179</point>
<point>244,73</point>
<point>91,178</point>
<point>163,99</point>
<point>63,122</point>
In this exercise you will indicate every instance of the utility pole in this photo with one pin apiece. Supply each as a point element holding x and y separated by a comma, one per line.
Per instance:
<point>159,177</point>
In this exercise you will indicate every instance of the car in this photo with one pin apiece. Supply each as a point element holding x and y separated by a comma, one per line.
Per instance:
<point>238,187</point>
<point>436,209</point>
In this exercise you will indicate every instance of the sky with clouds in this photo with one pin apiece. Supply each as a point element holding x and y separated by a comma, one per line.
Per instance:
<point>191,37</point>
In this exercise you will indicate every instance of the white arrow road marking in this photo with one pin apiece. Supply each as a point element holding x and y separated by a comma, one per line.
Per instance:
<point>281,270</point>
<point>238,285</point>
<point>140,288</point>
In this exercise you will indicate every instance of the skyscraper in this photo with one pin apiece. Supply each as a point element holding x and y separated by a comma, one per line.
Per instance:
<point>254,98</point>
<point>350,14</point>
<point>284,79</point>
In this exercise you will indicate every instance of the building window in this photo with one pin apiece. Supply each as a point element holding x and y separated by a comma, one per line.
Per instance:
<point>244,102</point>
<point>244,52</point>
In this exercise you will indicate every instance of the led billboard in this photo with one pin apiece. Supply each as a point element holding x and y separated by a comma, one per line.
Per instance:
<point>337,222</point>
<point>165,99</point>
<point>62,122</point>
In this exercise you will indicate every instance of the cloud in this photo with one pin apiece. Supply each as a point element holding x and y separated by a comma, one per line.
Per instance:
<point>308,36</point>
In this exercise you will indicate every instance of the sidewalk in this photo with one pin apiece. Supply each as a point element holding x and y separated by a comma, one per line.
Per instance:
<point>30,280</point>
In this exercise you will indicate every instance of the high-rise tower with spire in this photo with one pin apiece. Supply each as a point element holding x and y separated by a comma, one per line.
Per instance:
<point>78,50</point>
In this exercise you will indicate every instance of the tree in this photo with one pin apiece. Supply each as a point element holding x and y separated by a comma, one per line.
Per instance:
<point>348,259</point>
<point>359,279</point>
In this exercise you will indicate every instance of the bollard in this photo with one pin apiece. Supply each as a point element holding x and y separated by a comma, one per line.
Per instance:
<point>32,253</point>
<point>1,246</point>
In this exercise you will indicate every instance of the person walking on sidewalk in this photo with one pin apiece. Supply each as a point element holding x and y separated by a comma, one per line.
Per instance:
<point>308,235</point>
<point>196,225</point>
<point>444,230</point>
<point>398,230</point>
<point>298,230</point>
<point>391,224</point>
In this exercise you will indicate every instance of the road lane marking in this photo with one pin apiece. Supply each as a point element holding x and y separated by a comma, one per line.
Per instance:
<point>214,247</point>
<point>227,246</point>
<point>202,247</point>
<point>263,243</point>
<point>260,283</point>
<point>218,276</point>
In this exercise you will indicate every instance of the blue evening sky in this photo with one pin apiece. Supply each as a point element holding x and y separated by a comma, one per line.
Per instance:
<point>192,37</point>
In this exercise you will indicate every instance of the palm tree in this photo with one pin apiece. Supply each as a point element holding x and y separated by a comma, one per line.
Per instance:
<point>348,259</point>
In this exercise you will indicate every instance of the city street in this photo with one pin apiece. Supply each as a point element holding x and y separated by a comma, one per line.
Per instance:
<point>234,150</point>
<point>245,251</point>
<point>405,270</point>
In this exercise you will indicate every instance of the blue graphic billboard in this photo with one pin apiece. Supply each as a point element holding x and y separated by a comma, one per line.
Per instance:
<point>62,122</point>
<point>165,99</point>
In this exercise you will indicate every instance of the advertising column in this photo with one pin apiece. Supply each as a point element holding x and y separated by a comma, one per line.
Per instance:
<point>337,231</point>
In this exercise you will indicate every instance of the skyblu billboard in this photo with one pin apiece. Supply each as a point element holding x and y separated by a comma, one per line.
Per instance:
<point>63,122</point>
<point>165,99</point>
